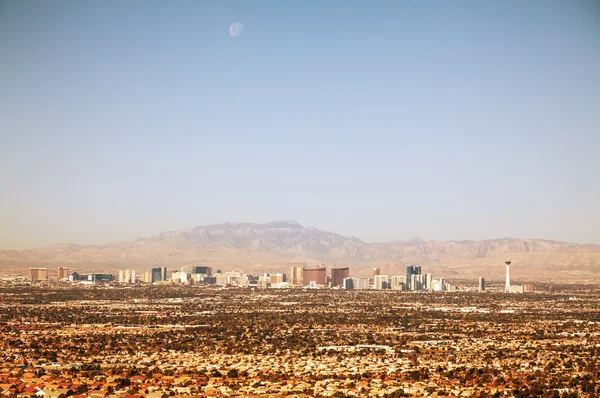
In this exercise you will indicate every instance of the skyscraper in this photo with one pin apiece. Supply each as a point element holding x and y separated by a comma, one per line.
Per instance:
<point>428,281</point>
<point>376,271</point>
<point>316,275</point>
<point>38,274</point>
<point>356,283</point>
<point>481,284</point>
<point>439,285</point>
<point>397,282</point>
<point>156,274</point>
<point>63,273</point>
<point>199,269</point>
<point>297,276</point>
<point>380,282</point>
<point>348,283</point>
<point>277,278</point>
<point>410,271</point>
<point>507,285</point>
<point>338,275</point>
<point>126,276</point>
<point>180,277</point>
<point>414,283</point>
<point>146,277</point>
<point>159,274</point>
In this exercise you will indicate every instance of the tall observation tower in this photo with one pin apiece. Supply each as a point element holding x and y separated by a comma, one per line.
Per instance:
<point>507,286</point>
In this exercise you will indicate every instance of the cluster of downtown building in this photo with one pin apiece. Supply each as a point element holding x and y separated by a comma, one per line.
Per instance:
<point>300,276</point>
<point>414,280</point>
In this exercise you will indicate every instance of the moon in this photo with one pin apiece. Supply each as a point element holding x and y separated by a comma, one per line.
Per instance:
<point>236,29</point>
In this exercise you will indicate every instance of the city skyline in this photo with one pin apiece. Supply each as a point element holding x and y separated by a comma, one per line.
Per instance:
<point>300,276</point>
<point>287,242</point>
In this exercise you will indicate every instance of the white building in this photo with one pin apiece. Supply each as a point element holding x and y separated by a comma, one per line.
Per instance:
<point>126,276</point>
<point>236,278</point>
<point>428,281</point>
<point>398,282</point>
<point>361,283</point>
<point>380,282</point>
<point>439,285</point>
<point>180,277</point>
<point>355,283</point>
<point>414,282</point>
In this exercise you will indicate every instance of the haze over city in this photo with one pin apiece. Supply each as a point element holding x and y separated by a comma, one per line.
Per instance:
<point>443,120</point>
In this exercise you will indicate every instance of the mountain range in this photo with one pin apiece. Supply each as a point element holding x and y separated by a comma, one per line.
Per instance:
<point>278,244</point>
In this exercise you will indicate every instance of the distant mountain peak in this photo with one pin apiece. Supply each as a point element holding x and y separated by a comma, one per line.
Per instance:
<point>287,241</point>
<point>288,222</point>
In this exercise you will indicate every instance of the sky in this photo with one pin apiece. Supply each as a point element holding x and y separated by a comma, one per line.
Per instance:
<point>383,120</point>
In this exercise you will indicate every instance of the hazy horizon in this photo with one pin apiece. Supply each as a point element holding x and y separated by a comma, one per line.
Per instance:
<point>447,121</point>
<point>424,238</point>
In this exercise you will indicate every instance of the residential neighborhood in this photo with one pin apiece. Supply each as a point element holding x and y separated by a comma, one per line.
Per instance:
<point>199,341</point>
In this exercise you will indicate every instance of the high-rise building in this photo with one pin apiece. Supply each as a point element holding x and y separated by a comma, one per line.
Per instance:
<point>348,283</point>
<point>297,276</point>
<point>410,271</point>
<point>507,288</point>
<point>380,282</point>
<point>146,277</point>
<point>159,274</point>
<point>361,283</point>
<point>414,283</point>
<point>199,269</point>
<point>38,274</point>
<point>316,275</point>
<point>355,283</point>
<point>481,284</point>
<point>439,285</point>
<point>338,275</point>
<point>180,277</point>
<point>127,276</point>
<point>397,282</point>
<point>63,273</point>
<point>156,274</point>
<point>428,281</point>
<point>376,271</point>
<point>277,278</point>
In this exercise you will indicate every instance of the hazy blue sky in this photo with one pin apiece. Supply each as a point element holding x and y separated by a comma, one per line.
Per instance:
<point>384,120</point>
